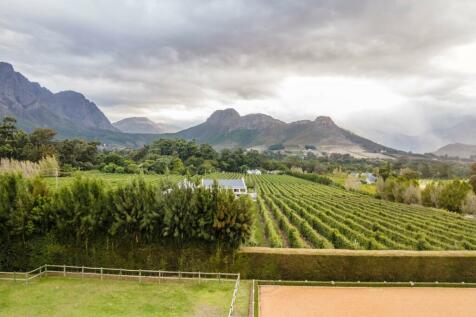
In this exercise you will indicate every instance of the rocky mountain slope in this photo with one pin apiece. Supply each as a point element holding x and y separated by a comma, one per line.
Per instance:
<point>34,106</point>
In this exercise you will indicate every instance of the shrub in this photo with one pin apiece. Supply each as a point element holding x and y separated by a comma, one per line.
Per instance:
<point>469,204</point>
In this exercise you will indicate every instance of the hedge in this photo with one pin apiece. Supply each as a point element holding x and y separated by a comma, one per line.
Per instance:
<point>356,265</point>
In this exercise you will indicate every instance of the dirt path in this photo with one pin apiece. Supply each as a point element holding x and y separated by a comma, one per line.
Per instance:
<point>297,301</point>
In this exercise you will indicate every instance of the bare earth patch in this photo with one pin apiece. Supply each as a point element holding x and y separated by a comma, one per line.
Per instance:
<point>298,301</point>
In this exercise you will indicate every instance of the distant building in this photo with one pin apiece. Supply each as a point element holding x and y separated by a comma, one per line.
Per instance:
<point>238,186</point>
<point>370,178</point>
<point>253,172</point>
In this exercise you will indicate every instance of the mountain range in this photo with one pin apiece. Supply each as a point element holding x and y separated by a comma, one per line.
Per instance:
<point>72,115</point>
<point>226,128</point>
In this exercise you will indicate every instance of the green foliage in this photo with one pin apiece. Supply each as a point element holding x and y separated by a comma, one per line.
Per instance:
<point>87,213</point>
<point>80,209</point>
<point>308,214</point>
<point>453,195</point>
<point>136,210</point>
<point>276,147</point>
<point>313,178</point>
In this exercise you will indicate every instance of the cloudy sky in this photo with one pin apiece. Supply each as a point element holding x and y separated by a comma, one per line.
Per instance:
<point>404,64</point>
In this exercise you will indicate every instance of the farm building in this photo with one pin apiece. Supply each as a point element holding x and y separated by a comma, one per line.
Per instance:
<point>370,178</point>
<point>238,186</point>
<point>253,172</point>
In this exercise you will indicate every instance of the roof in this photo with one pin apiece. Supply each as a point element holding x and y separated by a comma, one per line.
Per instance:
<point>225,183</point>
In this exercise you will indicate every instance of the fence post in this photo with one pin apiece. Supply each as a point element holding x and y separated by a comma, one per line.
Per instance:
<point>26,278</point>
<point>199,277</point>
<point>120,274</point>
<point>160,276</point>
<point>46,269</point>
<point>180,275</point>
<point>64,270</point>
<point>101,273</point>
<point>82,272</point>
<point>140,276</point>
<point>14,276</point>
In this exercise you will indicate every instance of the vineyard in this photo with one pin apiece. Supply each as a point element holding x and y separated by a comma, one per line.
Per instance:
<point>296,213</point>
<point>299,214</point>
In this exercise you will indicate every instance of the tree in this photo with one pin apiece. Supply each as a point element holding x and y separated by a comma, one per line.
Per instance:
<point>412,195</point>
<point>453,194</point>
<point>176,166</point>
<point>136,210</point>
<point>80,209</point>
<point>472,181</point>
<point>469,204</point>
<point>42,144</point>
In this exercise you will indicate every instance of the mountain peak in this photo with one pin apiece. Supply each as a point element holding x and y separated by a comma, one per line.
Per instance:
<point>225,116</point>
<point>6,68</point>
<point>138,125</point>
<point>325,121</point>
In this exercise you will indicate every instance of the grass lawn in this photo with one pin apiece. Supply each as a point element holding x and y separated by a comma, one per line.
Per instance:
<point>55,296</point>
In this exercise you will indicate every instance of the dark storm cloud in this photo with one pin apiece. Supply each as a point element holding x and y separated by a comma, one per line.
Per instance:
<point>162,53</point>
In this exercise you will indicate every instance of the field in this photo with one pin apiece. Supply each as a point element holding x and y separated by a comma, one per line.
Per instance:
<point>296,213</point>
<point>110,179</point>
<point>54,296</point>
<point>306,301</point>
<point>300,214</point>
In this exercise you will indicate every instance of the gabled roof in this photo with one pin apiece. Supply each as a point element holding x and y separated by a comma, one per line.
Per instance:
<point>225,183</point>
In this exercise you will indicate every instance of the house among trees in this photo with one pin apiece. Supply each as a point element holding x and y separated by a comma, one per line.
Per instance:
<point>370,178</point>
<point>238,186</point>
<point>253,172</point>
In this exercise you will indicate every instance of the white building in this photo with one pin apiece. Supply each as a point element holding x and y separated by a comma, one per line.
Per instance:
<point>253,172</point>
<point>238,186</point>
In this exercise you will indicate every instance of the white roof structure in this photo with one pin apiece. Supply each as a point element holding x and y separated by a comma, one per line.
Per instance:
<point>225,183</point>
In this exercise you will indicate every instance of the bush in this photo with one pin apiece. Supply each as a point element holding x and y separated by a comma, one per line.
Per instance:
<point>453,194</point>
<point>469,204</point>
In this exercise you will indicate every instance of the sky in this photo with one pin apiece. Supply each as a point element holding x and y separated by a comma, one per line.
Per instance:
<point>404,66</point>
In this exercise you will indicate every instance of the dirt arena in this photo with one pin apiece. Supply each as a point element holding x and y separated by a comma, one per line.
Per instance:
<point>298,301</point>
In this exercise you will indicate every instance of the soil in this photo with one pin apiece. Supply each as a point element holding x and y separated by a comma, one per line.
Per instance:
<point>306,301</point>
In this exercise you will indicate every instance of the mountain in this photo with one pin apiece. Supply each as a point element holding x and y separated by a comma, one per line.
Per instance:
<point>457,150</point>
<point>138,125</point>
<point>74,116</point>
<point>34,106</point>
<point>226,128</point>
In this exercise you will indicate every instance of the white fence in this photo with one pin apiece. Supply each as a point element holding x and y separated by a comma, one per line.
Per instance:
<point>123,274</point>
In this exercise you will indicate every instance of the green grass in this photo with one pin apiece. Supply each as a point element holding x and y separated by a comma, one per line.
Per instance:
<point>54,296</point>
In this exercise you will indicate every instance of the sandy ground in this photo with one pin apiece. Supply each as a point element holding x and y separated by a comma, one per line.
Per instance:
<point>297,301</point>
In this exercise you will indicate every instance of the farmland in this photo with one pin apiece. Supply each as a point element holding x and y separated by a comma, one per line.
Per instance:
<point>296,213</point>
<point>54,296</point>
<point>300,214</point>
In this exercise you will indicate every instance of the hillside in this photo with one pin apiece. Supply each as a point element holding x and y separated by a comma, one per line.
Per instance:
<point>138,125</point>
<point>35,106</point>
<point>74,116</point>
<point>226,128</point>
<point>457,150</point>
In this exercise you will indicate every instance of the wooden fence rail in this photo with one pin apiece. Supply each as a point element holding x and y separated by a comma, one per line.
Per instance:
<point>140,275</point>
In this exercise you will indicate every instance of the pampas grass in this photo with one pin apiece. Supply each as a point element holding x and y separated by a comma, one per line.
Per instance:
<point>47,166</point>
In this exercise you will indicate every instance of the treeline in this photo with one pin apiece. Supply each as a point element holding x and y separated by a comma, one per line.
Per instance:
<point>16,144</point>
<point>455,195</point>
<point>135,214</point>
<point>189,158</point>
<point>313,178</point>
